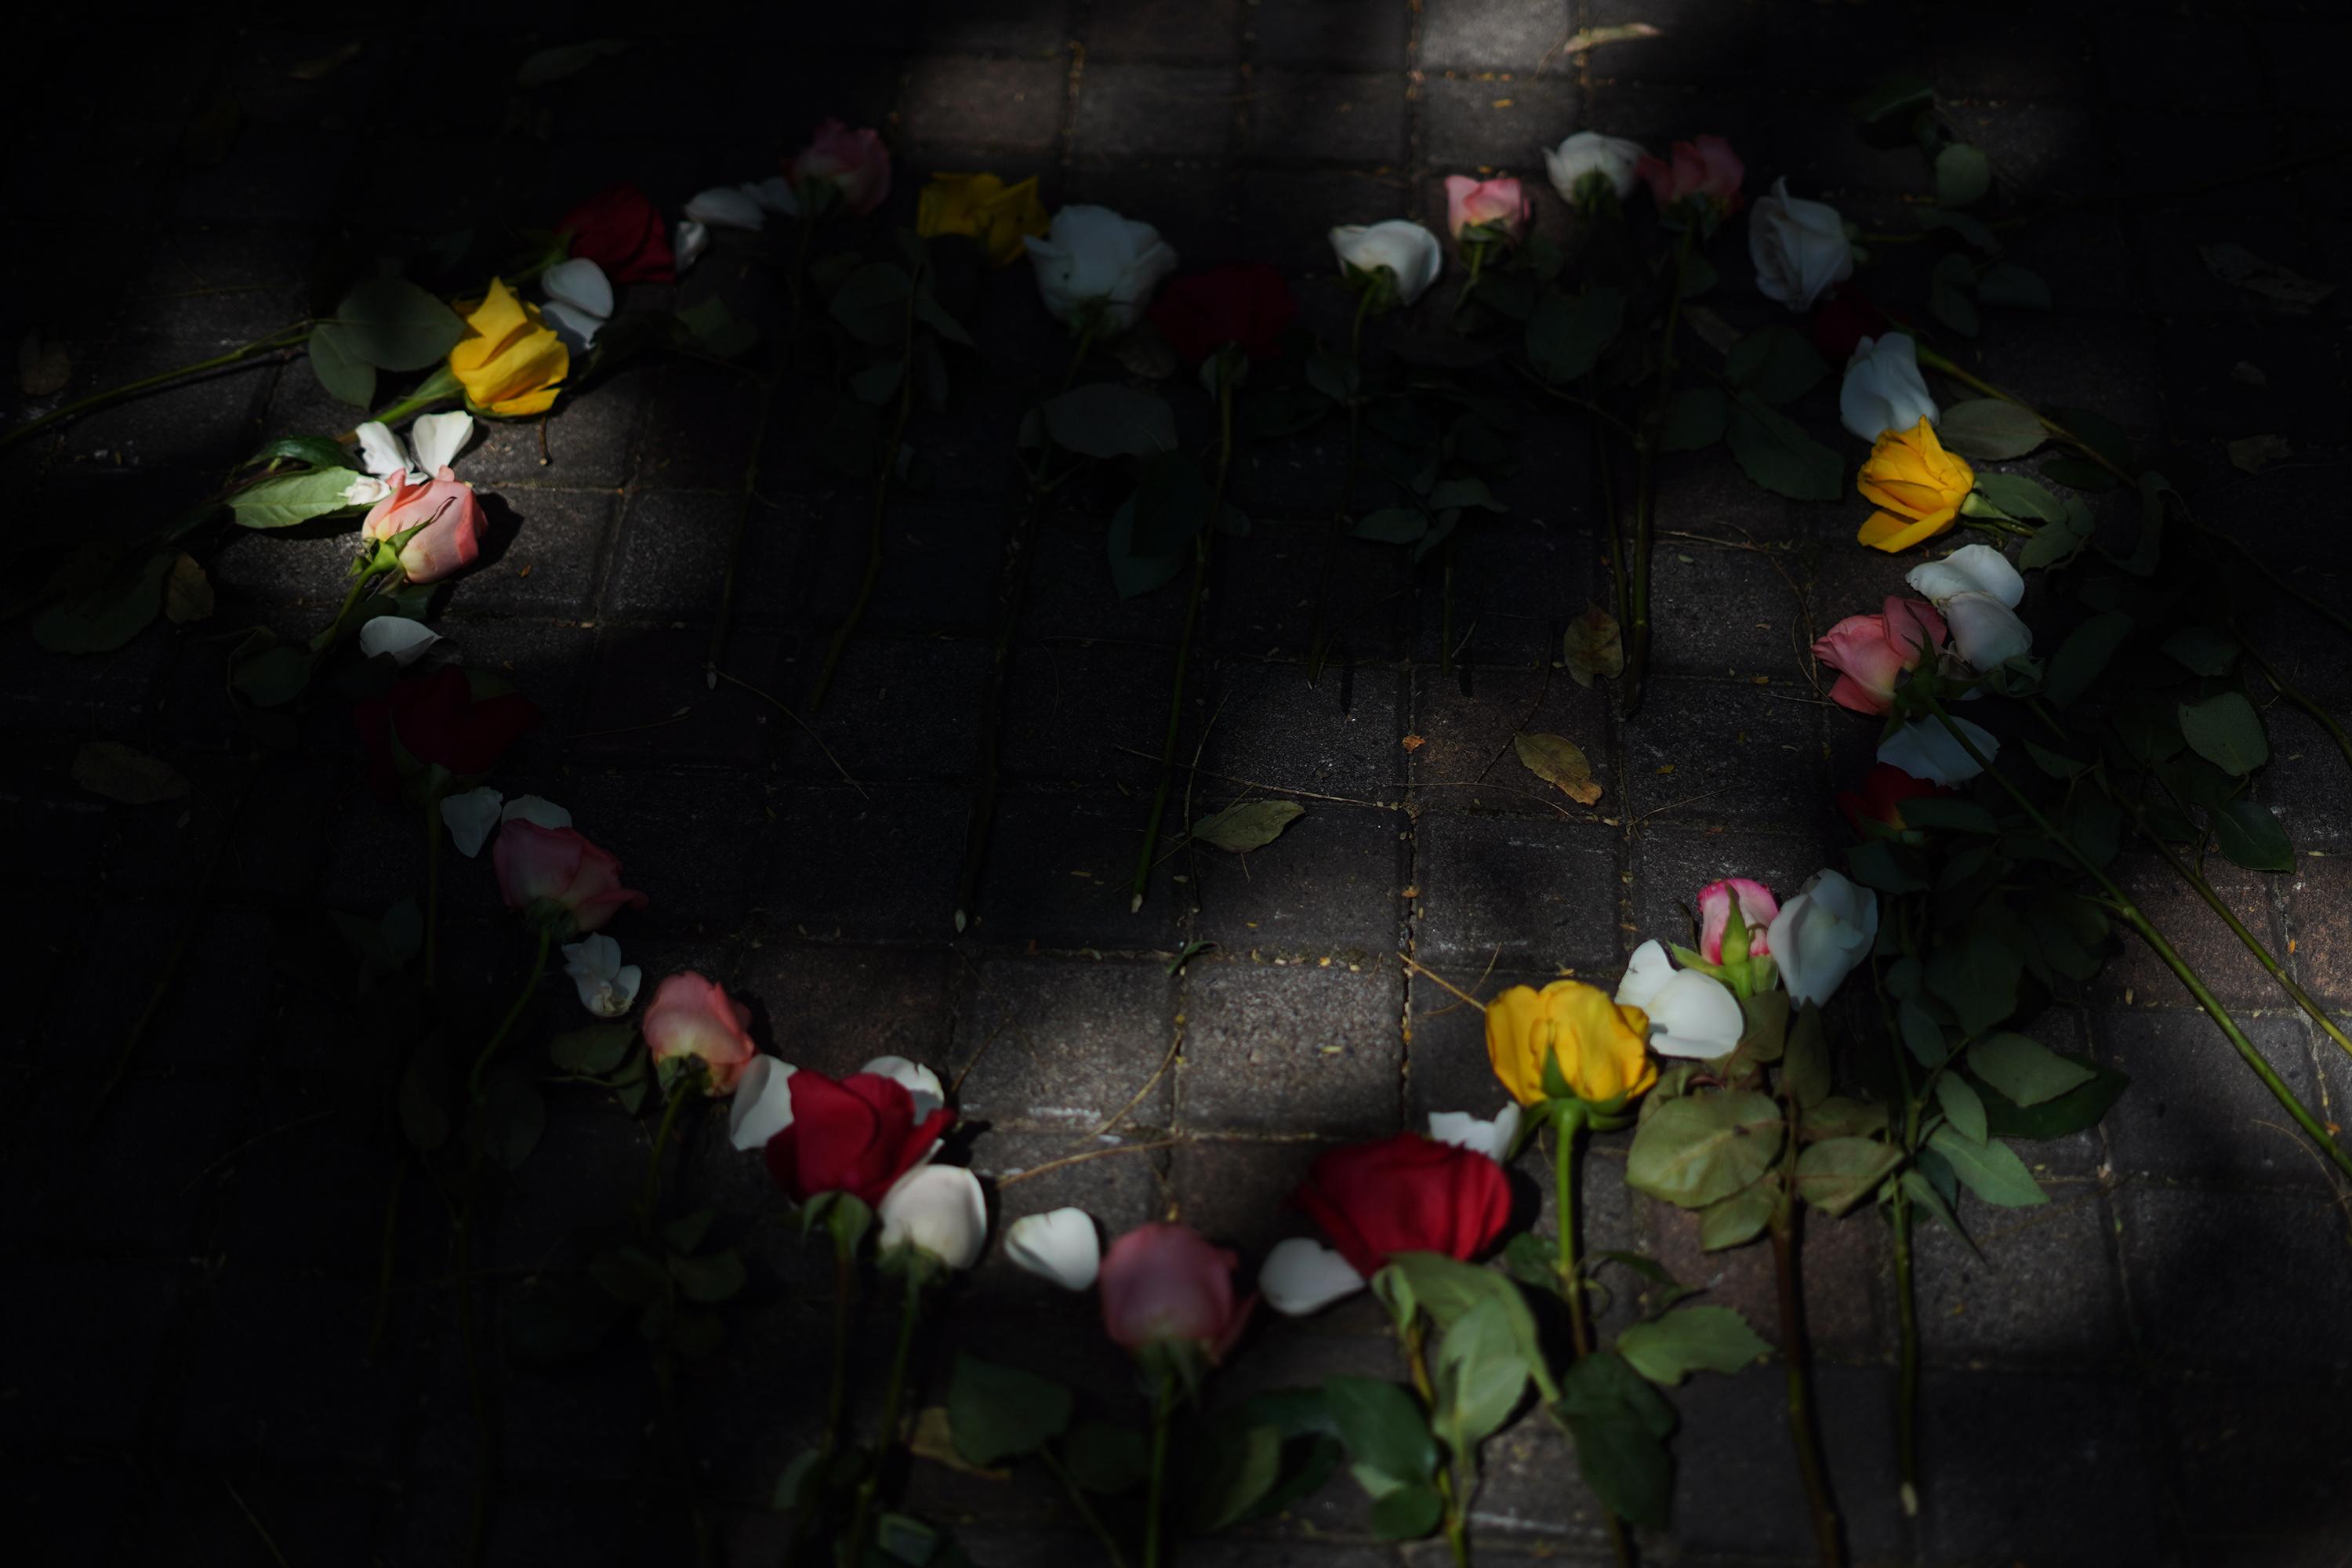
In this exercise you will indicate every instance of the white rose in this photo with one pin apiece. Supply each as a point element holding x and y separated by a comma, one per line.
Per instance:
<point>1819,935</point>
<point>1094,258</point>
<point>1691,1015</point>
<point>1883,390</point>
<point>1589,153</point>
<point>937,1209</point>
<point>1409,251</point>
<point>1299,1276</point>
<point>1799,247</point>
<point>1060,1246</point>
<point>1926,750</point>
<point>1977,590</point>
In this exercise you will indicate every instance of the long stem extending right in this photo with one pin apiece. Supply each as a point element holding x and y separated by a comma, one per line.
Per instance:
<point>286,337</point>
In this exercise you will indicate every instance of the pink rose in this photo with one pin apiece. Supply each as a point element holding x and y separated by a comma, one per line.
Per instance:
<point>1475,204</point>
<point>1871,653</point>
<point>691,1016</point>
<point>1704,167</point>
<point>855,161</point>
<point>556,872</point>
<point>1756,907</point>
<point>447,520</point>
<point>1165,1282</point>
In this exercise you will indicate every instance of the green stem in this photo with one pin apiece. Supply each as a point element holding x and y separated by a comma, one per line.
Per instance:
<point>1163,1405</point>
<point>1449,1490</point>
<point>1184,642</point>
<point>894,1394</point>
<point>688,1085</point>
<point>530,987</point>
<point>889,465</point>
<point>432,835</point>
<point>347,615</point>
<point>1086,1510</point>
<point>440,387</point>
<point>2125,909</point>
<point>1645,485</point>
<point>1316,650</point>
<point>719,627</point>
<point>1567,1124</point>
<point>1907,1385</point>
<point>844,1298</point>
<point>486,1431</point>
<point>1446,604</point>
<point>1469,284</point>
<point>1803,1430</point>
<point>284,338</point>
<point>2278,683</point>
<point>1605,470</point>
<point>388,1247</point>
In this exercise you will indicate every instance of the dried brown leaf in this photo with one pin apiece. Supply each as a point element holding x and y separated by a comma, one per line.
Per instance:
<point>1557,759</point>
<point>1592,646</point>
<point>1248,825</point>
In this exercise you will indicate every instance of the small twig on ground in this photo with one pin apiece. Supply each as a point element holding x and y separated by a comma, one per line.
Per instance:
<point>1003,1182</point>
<point>1419,968</point>
<point>1670,805</point>
<point>1158,1073</point>
<point>805,727</point>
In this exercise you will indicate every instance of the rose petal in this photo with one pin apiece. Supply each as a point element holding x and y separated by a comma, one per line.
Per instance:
<point>763,1106</point>
<point>538,812</point>
<point>1061,1246</point>
<point>470,818</point>
<point>381,450</point>
<point>1300,1277</point>
<point>919,1082</point>
<point>404,639</point>
<point>439,437</point>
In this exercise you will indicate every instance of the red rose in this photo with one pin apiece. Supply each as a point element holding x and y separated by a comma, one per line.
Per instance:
<point>1248,304</point>
<point>622,232</point>
<point>857,1136</point>
<point>1883,790</point>
<point>1406,1194</point>
<point>438,723</point>
<point>1839,323</point>
<point>555,869</point>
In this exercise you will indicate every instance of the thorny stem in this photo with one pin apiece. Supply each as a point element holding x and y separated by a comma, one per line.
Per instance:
<point>1449,1492</point>
<point>844,1297</point>
<point>1906,1302</point>
<point>1184,642</point>
<point>284,338</point>
<point>894,1394</point>
<point>1163,1405</point>
<point>1469,285</point>
<point>688,1086</point>
<point>1645,485</point>
<point>1803,1428</point>
<point>348,614</point>
<point>1315,650</point>
<point>2296,696</point>
<point>2125,909</point>
<point>889,465</point>
<point>1565,1128</point>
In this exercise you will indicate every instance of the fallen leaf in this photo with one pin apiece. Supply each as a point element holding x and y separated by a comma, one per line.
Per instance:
<point>1248,825</point>
<point>187,591</point>
<point>2252,454</point>
<point>43,365</point>
<point>1557,760</point>
<point>325,65</point>
<point>2234,263</point>
<point>934,1439</point>
<point>1415,742</point>
<point>113,770</point>
<point>1592,646</point>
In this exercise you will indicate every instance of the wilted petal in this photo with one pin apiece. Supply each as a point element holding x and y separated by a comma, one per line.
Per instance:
<point>1060,1246</point>
<point>404,639</point>
<point>919,1082</point>
<point>470,816</point>
<point>1972,569</point>
<point>763,1106</point>
<point>607,986</point>
<point>575,326</point>
<point>1300,1277</point>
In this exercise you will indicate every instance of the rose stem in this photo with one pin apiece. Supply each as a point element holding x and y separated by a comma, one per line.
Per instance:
<point>285,337</point>
<point>1085,1509</point>
<point>1315,650</point>
<point>844,1295</point>
<point>1646,483</point>
<point>1907,1303</point>
<point>530,986</point>
<point>1567,1123</point>
<point>1799,1359</point>
<point>893,1393</point>
<point>1416,1361</point>
<point>1184,642</point>
<point>889,465</point>
<point>2292,694</point>
<point>688,1086</point>
<point>2120,904</point>
<point>718,629</point>
<point>1163,1405</point>
<point>432,894</point>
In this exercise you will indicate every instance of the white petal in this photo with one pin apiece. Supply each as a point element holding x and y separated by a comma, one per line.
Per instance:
<point>596,957</point>
<point>575,326</point>
<point>689,242</point>
<point>1464,1130</point>
<point>606,985</point>
<point>919,1081</point>
<point>470,816</point>
<point>1645,972</point>
<point>763,1106</point>
<point>776,193</point>
<point>1972,569</point>
<point>1061,1246</point>
<point>724,207</point>
<point>538,812</point>
<point>365,491</point>
<point>1924,749</point>
<point>381,450</point>
<point>404,639</point>
<point>938,1209</point>
<point>1695,1015</point>
<point>439,437</point>
<point>578,282</point>
<point>1299,1276</point>
<point>1986,631</point>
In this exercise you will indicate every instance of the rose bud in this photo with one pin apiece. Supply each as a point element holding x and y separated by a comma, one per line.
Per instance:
<point>1703,169</point>
<point>1165,1285</point>
<point>691,1016</point>
<point>1979,592</point>
<point>1916,484</point>
<point>1821,934</point>
<point>838,162</point>
<point>620,231</point>
<point>1872,653</point>
<point>1246,306</point>
<point>1609,162</point>
<point>432,732</point>
<point>1598,1047</point>
<point>857,1136</point>
<point>1756,907</point>
<point>510,362</point>
<point>1096,266</point>
<point>1485,209</point>
<point>559,877</point>
<point>444,522</point>
<point>940,1211</point>
<point>1883,791</point>
<point>1405,250</point>
<point>1692,1015</point>
<point>1405,1194</point>
<point>1799,247</point>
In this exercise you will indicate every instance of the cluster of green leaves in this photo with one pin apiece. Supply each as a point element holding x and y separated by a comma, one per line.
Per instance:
<point>1763,372</point>
<point>384,323</point>
<point>894,319</point>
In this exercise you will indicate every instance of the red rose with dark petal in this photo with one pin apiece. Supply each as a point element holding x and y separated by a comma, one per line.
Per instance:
<point>1839,323</point>
<point>857,1136</point>
<point>1406,1194</point>
<point>1248,303</point>
<point>621,230</point>
<point>1883,790</point>
<point>439,724</point>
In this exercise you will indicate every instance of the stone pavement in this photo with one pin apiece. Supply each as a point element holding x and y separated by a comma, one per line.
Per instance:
<point>2152,1369</point>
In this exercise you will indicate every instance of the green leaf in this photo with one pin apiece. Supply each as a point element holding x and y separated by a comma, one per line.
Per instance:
<point>711,327</point>
<point>2018,496</point>
<point>2024,1069</point>
<point>934,315</point>
<point>1782,458</point>
<point>2057,765</point>
<point>2251,836</point>
<point>1963,1105</point>
<point>1941,813</point>
<point>274,676</point>
<point>1691,1339</point>
<point>1694,419</point>
<point>1963,175</point>
<point>1991,429</point>
<point>312,452</point>
<point>1620,1424</point>
<point>1737,1219</point>
<point>513,1117</point>
<point>1448,1289</point>
<point>872,305</point>
<point>1107,420</point>
<point>1898,96</point>
<point>283,501</point>
<point>119,608</point>
<point>1134,574</point>
<point>2006,283</point>
<point>2084,656</point>
<point>1841,1116</point>
<point>593,1051</point>
<point>1776,363</point>
<point>2076,1110</point>
<point>2104,435</point>
<point>1479,1374</point>
<point>1450,494</point>
<point>2080,473</point>
<point>1106,1459</point>
<point>1990,1168</point>
<point>2208,650</point>
<point>2056,544</point>
<point>1171,503</point>
<point>710,1278</point>
<point>1877,863</point>
<point>1393,525</point>
<point>335,361</point>
<point>999,1413</point>
<point>1407,1513</point>
<point>2226,732</point>
<point>565,59</point>
<point>1248,825</point>
<point>1236,1472</point>
<point>392,324</point>
<point>1567,334</point>
<point>1383,1428</point>
<point>1977,976</point>
<point>1695,1151</point>
<point>1559,762</point>
<point>1805,1067</point>
<point>1836,1173</point>
<point>1969,228</point>
<point>1951,294</point>
<point>1922,1191</point>
<point>877,382</point>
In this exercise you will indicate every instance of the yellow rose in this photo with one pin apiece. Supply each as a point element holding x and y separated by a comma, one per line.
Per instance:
<point>1918,488</point>
<point>985,207</point>
<point>1598,1044</point>
<point>510,361</point>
